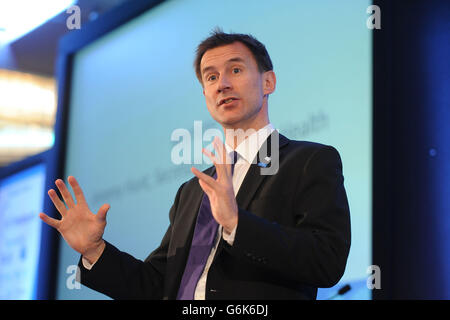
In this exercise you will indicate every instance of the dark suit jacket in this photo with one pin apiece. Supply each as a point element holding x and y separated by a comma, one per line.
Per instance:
<point>293,235</point>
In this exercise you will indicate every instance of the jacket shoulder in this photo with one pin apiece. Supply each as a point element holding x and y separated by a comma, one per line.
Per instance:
<point>309,146</point>
<point>312,152</point>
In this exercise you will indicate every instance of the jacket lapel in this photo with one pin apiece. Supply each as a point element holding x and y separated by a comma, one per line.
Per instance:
<point>254,178</point>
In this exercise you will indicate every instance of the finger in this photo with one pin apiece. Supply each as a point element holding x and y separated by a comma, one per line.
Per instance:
<point>101,214</point>
<point>210,181</point>
<point>79,196</point>
<point>65,193</point>
<point>50,221</point>
<point>210,155</point>
<point>219,147</point>
<point>223,166</point>
<point>207,189</point>
<point>59,205</point>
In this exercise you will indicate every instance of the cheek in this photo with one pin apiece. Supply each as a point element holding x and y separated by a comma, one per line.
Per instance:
<point>210,103</point>
<point>255,97</point>
<point>254,87</point>
<point>208,98</point>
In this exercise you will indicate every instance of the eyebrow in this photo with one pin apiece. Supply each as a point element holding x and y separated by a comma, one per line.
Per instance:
<point>209,68</point>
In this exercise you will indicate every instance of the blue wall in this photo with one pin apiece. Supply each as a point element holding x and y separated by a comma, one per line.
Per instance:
<point>412,149</point>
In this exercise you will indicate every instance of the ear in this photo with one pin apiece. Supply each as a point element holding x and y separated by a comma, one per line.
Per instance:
<point>203,91</point>
<point>269,82</point>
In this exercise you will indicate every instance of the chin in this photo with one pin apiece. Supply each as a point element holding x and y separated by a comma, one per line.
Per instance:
<point>227,119</point>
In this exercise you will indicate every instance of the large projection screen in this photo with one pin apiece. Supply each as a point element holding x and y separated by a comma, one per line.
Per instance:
<point>134,86</point>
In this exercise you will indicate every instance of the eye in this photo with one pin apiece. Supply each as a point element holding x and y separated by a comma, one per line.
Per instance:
<point>236,70</point>
<point>211,78</point>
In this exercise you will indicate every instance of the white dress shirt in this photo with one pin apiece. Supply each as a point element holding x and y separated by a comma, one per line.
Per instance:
<point>247,151</point>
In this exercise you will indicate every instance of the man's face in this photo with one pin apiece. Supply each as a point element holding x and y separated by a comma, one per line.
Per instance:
<point>234,88</point>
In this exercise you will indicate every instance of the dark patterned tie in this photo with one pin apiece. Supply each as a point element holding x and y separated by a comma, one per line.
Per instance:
<point>202,243</point>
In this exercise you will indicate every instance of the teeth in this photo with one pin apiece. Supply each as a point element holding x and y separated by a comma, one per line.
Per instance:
<point>225,101</point>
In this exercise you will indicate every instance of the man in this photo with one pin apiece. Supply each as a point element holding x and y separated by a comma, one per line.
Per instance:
<point>234,233</point>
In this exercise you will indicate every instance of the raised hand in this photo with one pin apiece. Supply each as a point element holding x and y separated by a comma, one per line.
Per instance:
<point>82,229</point>
<point>220,191</point>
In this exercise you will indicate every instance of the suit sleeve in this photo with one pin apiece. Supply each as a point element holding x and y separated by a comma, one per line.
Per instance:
<point>121,276</point>
<point>313,251</point>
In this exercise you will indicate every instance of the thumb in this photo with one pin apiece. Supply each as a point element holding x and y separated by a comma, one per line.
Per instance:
<point>101,214</point>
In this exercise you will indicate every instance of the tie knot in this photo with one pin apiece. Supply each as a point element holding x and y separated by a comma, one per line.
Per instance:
<point>234,156</point>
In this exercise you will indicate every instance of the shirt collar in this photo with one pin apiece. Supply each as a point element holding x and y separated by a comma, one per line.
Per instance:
<point>248,148</point>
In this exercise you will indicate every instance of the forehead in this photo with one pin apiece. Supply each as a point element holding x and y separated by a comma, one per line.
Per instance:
<point>220,55</point>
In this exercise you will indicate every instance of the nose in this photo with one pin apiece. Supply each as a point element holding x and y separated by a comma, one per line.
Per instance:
<point>224,84</point>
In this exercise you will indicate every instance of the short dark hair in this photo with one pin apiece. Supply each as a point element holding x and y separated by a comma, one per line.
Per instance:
<point>219,38</point>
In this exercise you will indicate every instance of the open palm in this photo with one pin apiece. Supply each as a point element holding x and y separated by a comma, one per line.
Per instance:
<point>82,229</point>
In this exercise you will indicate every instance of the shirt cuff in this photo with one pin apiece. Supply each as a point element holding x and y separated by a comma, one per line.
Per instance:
<point>86,263</point>
<point>229,237</point>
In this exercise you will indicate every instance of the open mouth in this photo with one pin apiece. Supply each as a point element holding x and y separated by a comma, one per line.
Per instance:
<point>226,101</point>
